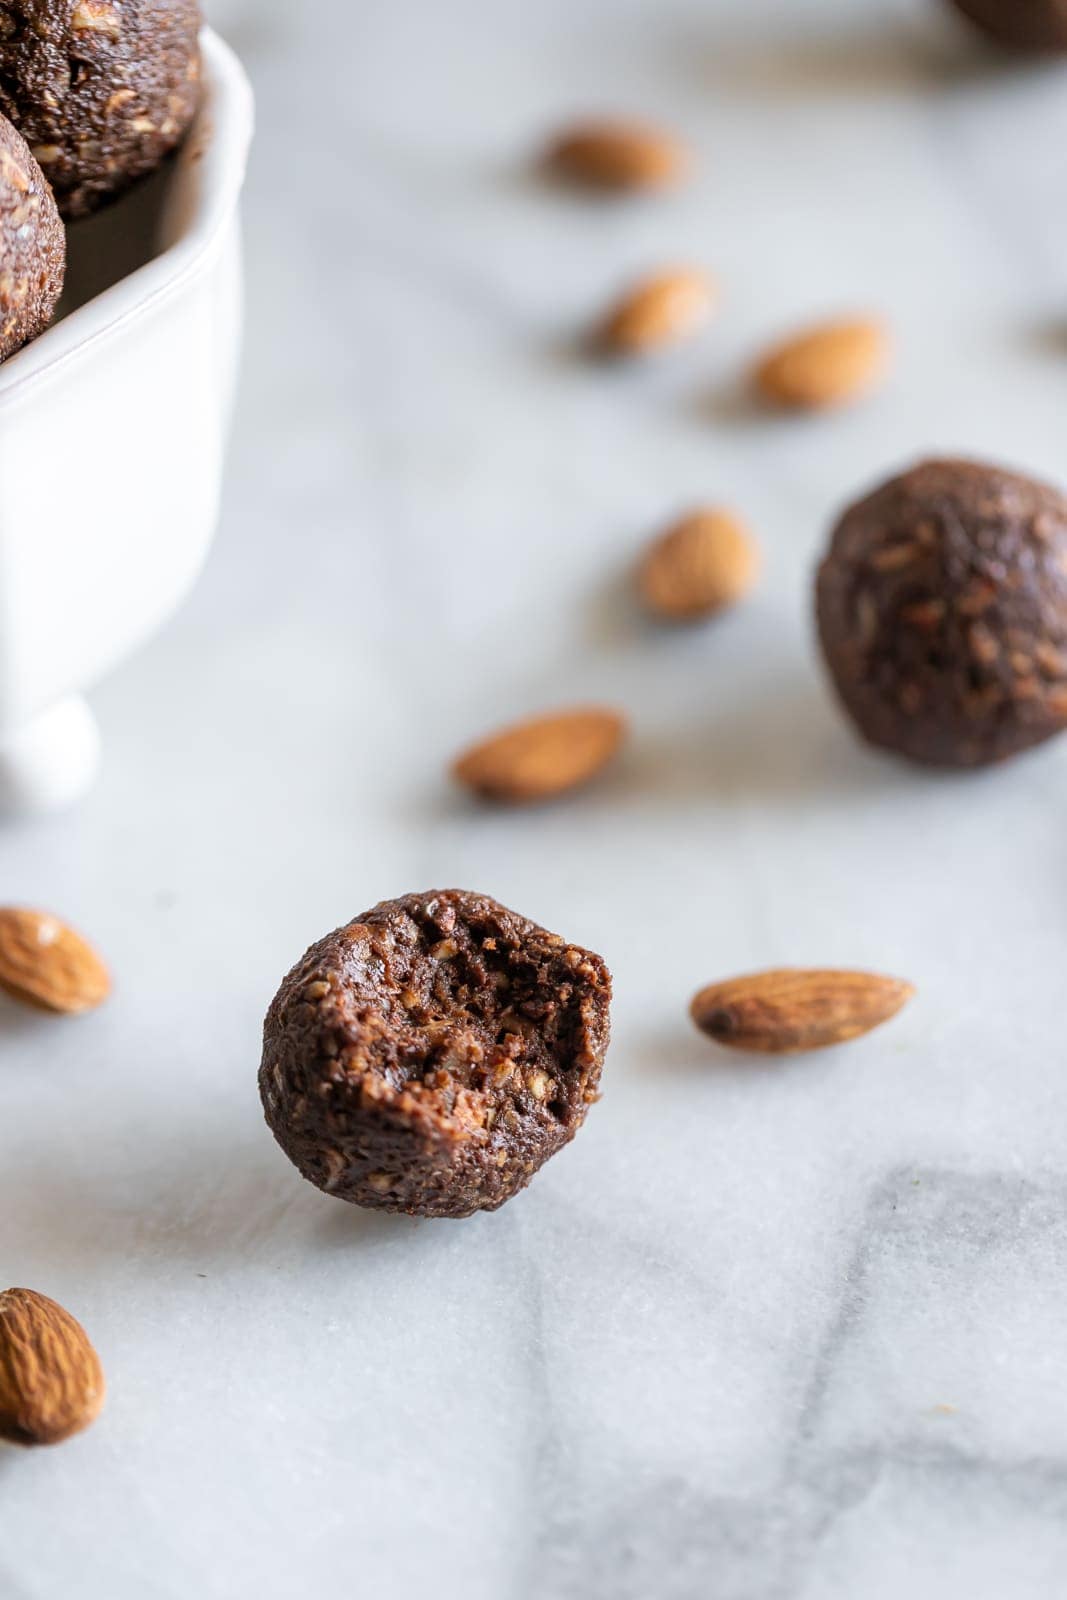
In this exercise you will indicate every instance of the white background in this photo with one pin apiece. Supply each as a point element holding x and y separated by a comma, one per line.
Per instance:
<point>764,1330</point>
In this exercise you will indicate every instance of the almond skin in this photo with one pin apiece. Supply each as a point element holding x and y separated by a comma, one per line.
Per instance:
<point>45,964</point>
<point>703,563</point>
<point>825,366</point>
<point>796,1008</point>
<point>619,156</point>
<point>51,1381</point>
<point>660,311</point>
<point>542,757</point>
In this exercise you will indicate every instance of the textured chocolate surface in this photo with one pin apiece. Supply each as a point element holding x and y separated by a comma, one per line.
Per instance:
<point>33,245</point>
<point>942,609</point>
<point>1022,24</point>
<point>102,90</point>
<point>430,1056</point>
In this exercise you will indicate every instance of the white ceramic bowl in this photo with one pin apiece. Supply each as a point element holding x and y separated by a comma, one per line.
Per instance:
<point>113,427</point>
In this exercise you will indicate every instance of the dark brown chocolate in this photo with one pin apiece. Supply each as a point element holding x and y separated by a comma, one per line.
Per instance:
<point>430,1056</point>
<point>102,90</point>
<point>1021,24</point>
<point>33,245</point>
<point>942,609</point>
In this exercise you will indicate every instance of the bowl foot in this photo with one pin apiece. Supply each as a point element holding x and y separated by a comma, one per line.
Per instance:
<point>50,762</point>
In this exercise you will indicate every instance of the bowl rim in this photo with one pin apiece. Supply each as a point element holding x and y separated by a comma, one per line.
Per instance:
<point>219,139</point>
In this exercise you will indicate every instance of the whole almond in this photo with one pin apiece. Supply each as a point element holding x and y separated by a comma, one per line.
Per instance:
<point>51,1381</point>
<point>618,155</point>
<point>796,1008</point>
<point>825,366</point>
<point>542,757</point>
<point>660,311</point>
<point>701,564</point>
<point>44,963</point>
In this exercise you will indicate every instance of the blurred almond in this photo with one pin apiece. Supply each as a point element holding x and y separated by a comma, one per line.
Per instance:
<point>542,757</point>
<point>660,311</point>
<point>825,366</point>
<point>796,1008</point>
<point>44,963</point>
<point>618,155</point>
<point>700,565</point>
<point>51,1380</point>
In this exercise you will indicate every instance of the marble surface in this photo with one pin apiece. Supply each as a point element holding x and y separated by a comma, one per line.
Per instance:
<point>764,1332</point>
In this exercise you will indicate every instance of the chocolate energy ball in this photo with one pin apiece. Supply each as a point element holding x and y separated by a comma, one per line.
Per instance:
<point>942,609</point>
<point>430,1056</point>
<point>101,90</point>
<point>33,245</point>
<point>1020,24</point>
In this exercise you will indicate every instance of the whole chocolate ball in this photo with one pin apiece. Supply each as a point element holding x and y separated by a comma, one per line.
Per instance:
<point>430,1056</point>
<point>33,245</point>
<point>101,90</point>
<point>942,610</point>
<point>1020,24</point>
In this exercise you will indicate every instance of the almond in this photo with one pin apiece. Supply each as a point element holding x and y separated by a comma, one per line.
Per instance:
<point>46,964</point>
<point>51,1381</point>
<point>618,155</point>
<point>825,366</point>
<point>543,757</point>
<point>796,1008</point>
<point>700,565</point>
<point>660,311</point>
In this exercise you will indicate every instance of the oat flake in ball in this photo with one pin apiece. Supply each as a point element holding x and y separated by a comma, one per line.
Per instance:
<point>101,90</point>
<point>430,1056</point>
<point>33,245</point>
<point>942,610</point>
<point>1021,24</point>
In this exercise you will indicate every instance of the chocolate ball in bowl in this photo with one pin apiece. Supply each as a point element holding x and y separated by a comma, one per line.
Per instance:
<point>942,611</point>
<point>1020,24</point>
<point>33,245</point>
<point>102,90</point>
<point>430,1056</point>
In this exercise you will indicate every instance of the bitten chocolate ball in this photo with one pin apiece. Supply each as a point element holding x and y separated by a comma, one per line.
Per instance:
<point>33,245</point>
<point>1020,24</point>
<point>101,90</point>
<point>430,1056</point>
<point>942,609</point>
